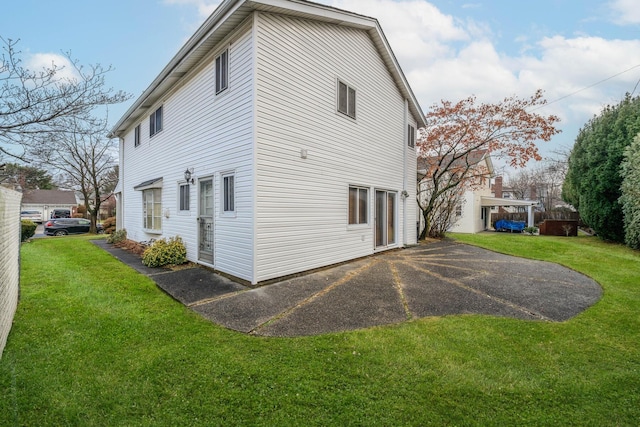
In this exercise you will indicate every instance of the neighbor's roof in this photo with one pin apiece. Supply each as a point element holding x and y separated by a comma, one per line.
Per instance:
<point>228,16</point>
<point>49,197</point>
<point>473,158</point>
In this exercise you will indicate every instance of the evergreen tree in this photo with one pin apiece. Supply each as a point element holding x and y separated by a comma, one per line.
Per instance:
<point>594,177</point>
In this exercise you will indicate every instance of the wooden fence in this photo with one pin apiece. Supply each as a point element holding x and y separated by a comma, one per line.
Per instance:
<point>538,216</point>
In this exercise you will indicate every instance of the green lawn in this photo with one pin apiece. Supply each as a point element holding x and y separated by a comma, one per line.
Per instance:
<point>95,343</point>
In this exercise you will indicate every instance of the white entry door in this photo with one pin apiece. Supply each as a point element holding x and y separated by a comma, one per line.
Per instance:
<point>205,220</point>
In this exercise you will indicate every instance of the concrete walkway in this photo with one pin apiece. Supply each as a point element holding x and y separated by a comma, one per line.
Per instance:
<point>436,279</point>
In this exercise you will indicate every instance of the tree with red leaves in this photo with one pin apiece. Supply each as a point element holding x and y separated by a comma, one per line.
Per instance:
<point>449,148</point>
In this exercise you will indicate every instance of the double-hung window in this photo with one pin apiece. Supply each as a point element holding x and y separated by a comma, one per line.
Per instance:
<point>184,197</point>
<point>136,136</point>
<point>152,209</point>
<point>228,193</point>
<point>222,71</point>
<point>155,122</point>
<point>346,99</point>
<point>411,136</point>
<point>358,205</point>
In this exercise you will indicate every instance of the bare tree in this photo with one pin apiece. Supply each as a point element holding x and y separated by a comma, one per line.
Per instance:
<point>85,158</point>
<point>521,183</point>
<point>36,102</point>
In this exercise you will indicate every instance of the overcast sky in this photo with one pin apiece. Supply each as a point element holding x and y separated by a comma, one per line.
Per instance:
<point>583,53</point>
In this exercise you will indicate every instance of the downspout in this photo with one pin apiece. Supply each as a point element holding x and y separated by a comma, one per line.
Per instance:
<point>404,172</point>
<point>120,199</point>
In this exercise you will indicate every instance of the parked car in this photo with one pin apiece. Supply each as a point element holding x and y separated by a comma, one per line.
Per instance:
<point>35,216</point>
<point>60,213</point>
<point>64,226</point>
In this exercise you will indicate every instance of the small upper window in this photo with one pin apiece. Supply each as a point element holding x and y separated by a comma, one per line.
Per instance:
<point>228,193</point>
<point>411,136</point>
<point>136,136</point>
<point>222,71</point>
<point>346,99</point>
<point>155,122</point>
<point>184,197</point>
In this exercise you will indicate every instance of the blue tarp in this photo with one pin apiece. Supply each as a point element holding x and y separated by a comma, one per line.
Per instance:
<point>507,225</point>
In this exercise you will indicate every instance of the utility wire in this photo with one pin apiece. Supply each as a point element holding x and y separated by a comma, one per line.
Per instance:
<point>589,87</point>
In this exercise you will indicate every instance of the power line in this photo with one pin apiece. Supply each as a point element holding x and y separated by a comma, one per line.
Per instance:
<point>590,86</point>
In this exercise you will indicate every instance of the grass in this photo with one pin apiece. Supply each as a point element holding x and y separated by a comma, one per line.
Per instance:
<point>95,343</point>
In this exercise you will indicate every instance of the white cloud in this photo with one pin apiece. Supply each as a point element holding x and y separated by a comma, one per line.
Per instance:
<point>41,62</point>
<point>626,12</point>
<point>448,58</point>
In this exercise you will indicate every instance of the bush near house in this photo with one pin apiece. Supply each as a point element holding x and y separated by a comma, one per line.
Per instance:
<point>28,229</point>
<point>109,225</point>
<point>163,252</point>
<point>117,236</point>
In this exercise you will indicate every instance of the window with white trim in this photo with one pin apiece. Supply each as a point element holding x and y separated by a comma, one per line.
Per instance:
<point>228,193</point>
<point>136,136</point>
<point>346,99</point>
<point>358,205</point>
<point>411,136</point>
<point>183,194</point>
<point>222,71</point>
<point>152,209</point>
<point>155,121</point>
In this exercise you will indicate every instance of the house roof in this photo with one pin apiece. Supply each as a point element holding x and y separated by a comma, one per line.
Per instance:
<point>425,164</point>
<point>49,197</point>
<point>228,16</point>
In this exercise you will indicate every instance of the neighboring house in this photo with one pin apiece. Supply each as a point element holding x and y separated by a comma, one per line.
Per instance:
<point>279,139</point>
<point>107,204</point>
<point>46,201</point>
<point>473,213</point>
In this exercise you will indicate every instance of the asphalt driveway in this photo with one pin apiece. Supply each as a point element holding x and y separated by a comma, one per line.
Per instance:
<point>435,279</point>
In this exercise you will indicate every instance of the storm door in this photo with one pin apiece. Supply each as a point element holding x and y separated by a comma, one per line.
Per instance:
<point>205,220</point>
<point>385,218</point>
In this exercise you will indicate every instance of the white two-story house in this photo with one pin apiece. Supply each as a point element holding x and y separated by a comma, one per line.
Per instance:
<point>279,139</point>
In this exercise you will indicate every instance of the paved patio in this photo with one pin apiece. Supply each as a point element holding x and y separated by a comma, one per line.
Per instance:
<point>435,279</point>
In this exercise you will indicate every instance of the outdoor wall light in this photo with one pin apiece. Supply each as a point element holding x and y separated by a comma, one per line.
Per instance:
<point>187,175</point>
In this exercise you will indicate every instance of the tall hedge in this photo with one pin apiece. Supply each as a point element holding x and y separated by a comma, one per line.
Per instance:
<point>594,176</point>
<point>631,193</point>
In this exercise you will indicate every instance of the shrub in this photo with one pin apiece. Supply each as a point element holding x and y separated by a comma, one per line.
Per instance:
<point>28,229</point>
<point>77,215</point>
<point>81,209</point>
<point>117,236</point>
<point>163,252</point>
<point>530,230</point>
<point>109,225</point>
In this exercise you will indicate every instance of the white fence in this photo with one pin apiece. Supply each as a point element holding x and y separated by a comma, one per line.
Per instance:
<point>9,260</point>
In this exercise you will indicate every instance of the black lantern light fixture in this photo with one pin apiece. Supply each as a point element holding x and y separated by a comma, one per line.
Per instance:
<point>187,175</point>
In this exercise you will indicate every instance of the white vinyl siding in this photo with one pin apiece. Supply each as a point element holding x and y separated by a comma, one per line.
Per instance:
<point>208,134</point>
<point>302,204</point>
